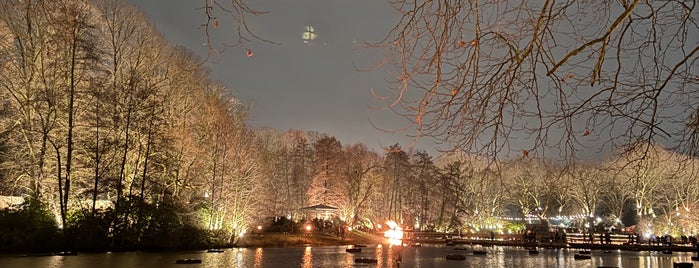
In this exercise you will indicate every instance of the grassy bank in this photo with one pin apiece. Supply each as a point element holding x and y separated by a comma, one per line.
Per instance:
<point>316,239</point>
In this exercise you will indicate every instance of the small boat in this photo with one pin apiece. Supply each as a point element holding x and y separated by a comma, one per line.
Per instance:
<point>456,257</point>
<point>582,257</point>
<point>450,243</point>
<point>67,253</point>
<point>415,245</point>
<point>359,246</point>
<point>187,261</point>
<point>607,251</point>
<point>353,250</point>
<point>667,251</point>
<point>215,250</point>
<point>682,265</point>
<point>366,260</point>
<point>585,252</point>
<point>695,258</point>
<point>533,252</point>
<point>479,252</point>
<point>460,248</point>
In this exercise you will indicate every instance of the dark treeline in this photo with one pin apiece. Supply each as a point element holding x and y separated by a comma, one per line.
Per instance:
<point>116,140</point>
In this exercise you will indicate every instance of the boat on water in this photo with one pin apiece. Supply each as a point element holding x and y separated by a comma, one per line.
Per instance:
<point>682,265</point>
<point>479,252</point>
<point>366,260</point>
<point>187,261</point>
<point>533,252</point>
<point>353,250</point>
<point>582,257</point>
<point>215,250</point>
<point>456,257</point>
<point>359,246</point>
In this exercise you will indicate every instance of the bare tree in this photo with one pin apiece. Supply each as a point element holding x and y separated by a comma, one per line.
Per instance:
<point>362,175</point>
<point>237,11</point>
<point>494,77</point>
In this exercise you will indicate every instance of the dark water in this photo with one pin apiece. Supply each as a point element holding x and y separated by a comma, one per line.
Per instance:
<point>335,256</point>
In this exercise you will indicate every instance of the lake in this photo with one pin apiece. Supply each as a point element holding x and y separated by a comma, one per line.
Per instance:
<point>335,256</point>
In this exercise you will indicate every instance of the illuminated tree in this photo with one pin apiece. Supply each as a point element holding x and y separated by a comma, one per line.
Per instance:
<point>363,177</point>
<point>420,202</point>
<point>647,168</point>
<point>530,186</point>
<point>396,168</point>
<point>587,182</point>
<point>329,185</point>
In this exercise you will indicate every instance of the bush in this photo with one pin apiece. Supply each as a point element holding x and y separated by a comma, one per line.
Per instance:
<point>87,233</point>
<point>30,228</point>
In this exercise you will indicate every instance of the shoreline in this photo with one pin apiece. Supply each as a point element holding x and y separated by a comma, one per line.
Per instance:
<point>277,240</point>
<point>514,243</point>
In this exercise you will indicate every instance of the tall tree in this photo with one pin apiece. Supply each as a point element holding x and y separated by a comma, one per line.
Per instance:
<point>328,185</point>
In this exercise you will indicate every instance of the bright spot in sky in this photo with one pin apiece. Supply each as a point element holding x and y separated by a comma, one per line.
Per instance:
<point>309,34</point>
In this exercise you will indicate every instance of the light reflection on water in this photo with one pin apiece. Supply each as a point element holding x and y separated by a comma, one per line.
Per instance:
<point>335,256</point>
<point>258,257</point>
<point>307,260</point>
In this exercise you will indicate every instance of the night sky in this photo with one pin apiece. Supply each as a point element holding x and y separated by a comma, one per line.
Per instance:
<point>313,85</point>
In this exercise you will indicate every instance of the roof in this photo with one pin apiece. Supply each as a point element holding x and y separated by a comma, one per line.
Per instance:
<point>319,207</point>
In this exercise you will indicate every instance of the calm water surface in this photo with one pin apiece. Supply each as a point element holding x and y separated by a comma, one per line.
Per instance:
<point>335,256</point>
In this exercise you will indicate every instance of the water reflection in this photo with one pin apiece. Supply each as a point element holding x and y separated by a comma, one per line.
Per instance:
<point>258,258</point>
<point>335,256</point>
<point>307,260</point>
<point>379,255</point>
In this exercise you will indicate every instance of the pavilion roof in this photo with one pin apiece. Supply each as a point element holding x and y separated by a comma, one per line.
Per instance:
<point>319,207</point>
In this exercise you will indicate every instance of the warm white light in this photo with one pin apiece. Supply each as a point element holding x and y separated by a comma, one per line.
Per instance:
<point>309,34</point>
<point>259,227</point>
<point>308,228</point>
<point>394,233</point>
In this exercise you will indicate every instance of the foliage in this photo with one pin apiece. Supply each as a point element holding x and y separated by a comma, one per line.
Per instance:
<point>31,227</point>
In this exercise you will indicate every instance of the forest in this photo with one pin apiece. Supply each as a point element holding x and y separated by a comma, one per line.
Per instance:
<point>111,138</point>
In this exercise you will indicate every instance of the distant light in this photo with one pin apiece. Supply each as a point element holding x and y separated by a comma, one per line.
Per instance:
<point>309,34</point>
<point>349,228</point>
<point>308,228</point>
<point>259,227</point>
